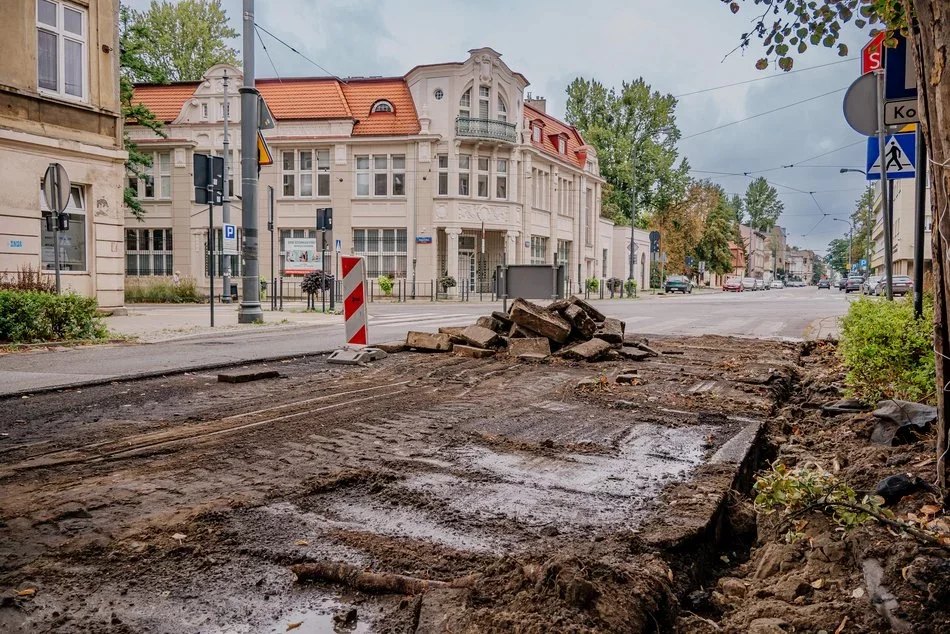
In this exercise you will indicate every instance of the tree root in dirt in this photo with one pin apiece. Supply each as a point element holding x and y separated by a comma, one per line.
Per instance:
<point>371,582</point>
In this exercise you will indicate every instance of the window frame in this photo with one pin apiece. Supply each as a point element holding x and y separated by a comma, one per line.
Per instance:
<point>61,34</point>
<point>482,176</point>
<point>373,173</point>
<point>536,133</point>
<point>152,173</point>
<point>501,109</point>
<point>77,214</point>
<point>442,166</point>
<point>484,101</point>
<point>539,244</point>
<point>318,172</point>
<point>382,105</point>
<point>465,175</point>
<point>150,252</point>
<point>465,103</point>
<point>388,242</point>
<point>501,178</point>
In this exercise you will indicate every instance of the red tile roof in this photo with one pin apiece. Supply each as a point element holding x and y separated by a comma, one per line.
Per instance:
<point>550,131</point>
<point>309,99</point>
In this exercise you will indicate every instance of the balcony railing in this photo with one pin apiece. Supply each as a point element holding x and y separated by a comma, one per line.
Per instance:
<point>485,129</point>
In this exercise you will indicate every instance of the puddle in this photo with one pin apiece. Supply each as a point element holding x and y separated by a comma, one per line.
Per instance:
<point>578,488</point>
<point>318,621</point>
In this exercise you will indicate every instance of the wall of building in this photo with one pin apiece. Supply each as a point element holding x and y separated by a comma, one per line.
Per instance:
<point>904,206</point>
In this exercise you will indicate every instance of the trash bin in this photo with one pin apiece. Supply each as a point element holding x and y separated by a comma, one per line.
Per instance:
<point>234,294</point>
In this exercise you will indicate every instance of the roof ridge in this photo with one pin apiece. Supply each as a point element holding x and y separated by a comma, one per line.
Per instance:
<point>346,104</point>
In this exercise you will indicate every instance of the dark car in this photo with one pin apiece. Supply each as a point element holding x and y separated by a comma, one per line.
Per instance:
<point>853,283</point>
<point>841,283</point>
<point>900,285</point>
<point>679,283</point>
<point>824,283</point>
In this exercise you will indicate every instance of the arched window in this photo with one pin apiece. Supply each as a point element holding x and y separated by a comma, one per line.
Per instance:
<point>465,104</point>
<point>382,106</point>
<point>502,109</point>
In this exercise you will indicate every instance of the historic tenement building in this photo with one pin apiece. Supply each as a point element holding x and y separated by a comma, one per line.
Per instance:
<point>59,103</point>
<point>448,170</point>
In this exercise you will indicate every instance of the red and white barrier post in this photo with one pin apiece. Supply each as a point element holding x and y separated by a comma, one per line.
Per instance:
<point>354,300</point>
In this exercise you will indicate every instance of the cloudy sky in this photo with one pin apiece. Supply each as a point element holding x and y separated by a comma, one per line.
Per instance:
<point>678,46</point>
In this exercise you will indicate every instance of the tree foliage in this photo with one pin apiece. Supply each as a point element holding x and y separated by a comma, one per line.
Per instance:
<point>761,205</point>
<point>721,228</point>
<point>701,225</point>
<point>863,224</point>
<point>837,256</point>
<point>184,38</point>
<point>634,132</point>
<point>132,65</point>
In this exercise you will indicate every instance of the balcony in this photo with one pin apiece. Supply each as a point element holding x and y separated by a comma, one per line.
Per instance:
<point>485,129</point>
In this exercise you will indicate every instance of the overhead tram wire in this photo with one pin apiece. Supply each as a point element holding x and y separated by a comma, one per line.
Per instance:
<point>333,75</point>
<point>266,52</point>
<point>762,114</point>
<point>749,81</point>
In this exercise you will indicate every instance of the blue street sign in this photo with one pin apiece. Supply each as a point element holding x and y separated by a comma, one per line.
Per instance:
<point>230,232</point>
<point>864,263</point>
<point>900,77</point>
<point>900,156</point>
<point>229,244</point>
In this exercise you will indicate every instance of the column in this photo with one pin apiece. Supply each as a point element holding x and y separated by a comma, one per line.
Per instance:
<point>511,247</point>
<point>452,257</point>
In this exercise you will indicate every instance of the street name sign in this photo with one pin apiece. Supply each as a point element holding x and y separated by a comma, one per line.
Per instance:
<point>901,112</point>
<point>900,156</point>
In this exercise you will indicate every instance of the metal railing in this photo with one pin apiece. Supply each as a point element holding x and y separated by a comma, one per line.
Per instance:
<point>486,129</point>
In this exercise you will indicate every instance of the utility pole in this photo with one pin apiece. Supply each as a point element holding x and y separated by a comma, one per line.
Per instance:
<point>226,200</point>
<point>919,219</point>
<point>887,188</point>
<point>633,213</point>
<point>250,310</point>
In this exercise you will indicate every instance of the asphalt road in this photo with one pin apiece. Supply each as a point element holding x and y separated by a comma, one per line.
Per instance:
<point>794,313</point>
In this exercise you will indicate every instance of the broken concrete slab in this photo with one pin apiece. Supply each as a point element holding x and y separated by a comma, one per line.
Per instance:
<point>629,379</point>
<point>533,347</point>
<point>472,351</point>
<point>428,341</point>
<point>581,322</point>
<point>246,376</point>
<point>533,317</point>
<point>359,356</point>
<point>487,321</point>
<point>610,331</point>
<point>592,312</point>
<point>503,318</point>
<point>634,354</point>
<point>592,350</point>
<point>480,337</point>
<point>520,332</point>
<point>392,347</point>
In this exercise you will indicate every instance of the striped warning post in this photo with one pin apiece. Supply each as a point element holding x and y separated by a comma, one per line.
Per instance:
<point>354,299</point>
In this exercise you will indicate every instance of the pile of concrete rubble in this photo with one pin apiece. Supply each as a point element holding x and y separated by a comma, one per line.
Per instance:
<point>568,328</point>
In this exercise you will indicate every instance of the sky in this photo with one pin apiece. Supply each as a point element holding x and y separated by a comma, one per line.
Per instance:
<point>677,46</point>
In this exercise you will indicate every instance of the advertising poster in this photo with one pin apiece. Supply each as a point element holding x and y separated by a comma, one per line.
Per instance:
<point>301,256</point>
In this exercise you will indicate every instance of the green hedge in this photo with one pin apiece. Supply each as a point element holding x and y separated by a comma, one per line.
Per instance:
<point>35,316</point>
<point>888,353</point>
<point>161,290</point>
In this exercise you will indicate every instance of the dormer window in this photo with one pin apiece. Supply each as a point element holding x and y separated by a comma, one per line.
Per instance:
<point>382,106</point>
<point>561,145</point>
<point>536,133</point>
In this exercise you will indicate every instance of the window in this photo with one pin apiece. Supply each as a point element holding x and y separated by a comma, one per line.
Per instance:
<point>465,104</point>
<point>502,113</point>
<point>384,250</point>
<point>465,166</point>
<point>564,253</point>
<point>234,261</point>
<point>160,170</point>
<point>438,94</point>
<point>443,174</point>
<point>382,106</point>
<point>536,134</point>
<point>309,168</point>
<point>483,95</point>
<point>591,218</point>
<point>539,249</point>
<point>561,145</point>
<point>294,233</point>
<point>501,179</point>
<point>61,57</point>
<point>148,252</point>
<point>483,163</point>
<point>204,110</point>
<point>603,268</point>
<point>72,242</point>
<point>377,169</point>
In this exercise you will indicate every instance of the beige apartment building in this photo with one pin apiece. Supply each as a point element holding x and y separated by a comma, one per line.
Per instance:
<point>801,264</point>
<point>448,170</point>
<point>59,102</point>
<point>621,256</point>
<point>758,253</point>
<point>903,245</point>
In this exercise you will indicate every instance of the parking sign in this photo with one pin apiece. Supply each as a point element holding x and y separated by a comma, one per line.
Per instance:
<point>229,246</point>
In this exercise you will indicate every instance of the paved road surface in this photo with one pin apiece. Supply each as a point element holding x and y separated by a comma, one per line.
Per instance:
<point>786,314</point>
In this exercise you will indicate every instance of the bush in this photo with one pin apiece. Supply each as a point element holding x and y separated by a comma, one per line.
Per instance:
<point>316,281</point>
<point>446,282</point>
<point>37,316</point>
<point>631,286</point>
<point>27,278</point>
<point>161,290</point>
<point>385,284</point>
<point>593,284</point>
<point>888,353</point>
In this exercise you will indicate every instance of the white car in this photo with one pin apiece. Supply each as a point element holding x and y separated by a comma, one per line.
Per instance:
<point>776,284</point>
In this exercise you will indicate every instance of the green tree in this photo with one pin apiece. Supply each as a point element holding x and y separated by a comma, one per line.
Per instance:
<point>184,38</point>
<point>720,231</point>
<point>837,256</point>
<point>761,205</point>
<point>132,64</point>
<point>788,27</point>
<point>634,132</point>
<point>863,222</point>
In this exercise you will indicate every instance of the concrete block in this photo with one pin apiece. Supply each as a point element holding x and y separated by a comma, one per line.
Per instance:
<point>610,331</point>
<point>472,351</point>
<point>533,317</point>
<point>480,337</point>
<point>503,318</point>
<point>393,347</point>
<point>487,321</point>
<point>582,324</point>
<point>634,354</point>
<point>592,350</point>
<point>629,379</point>
<point>592,312</point>
<point>518,332</point>
<point>429,342</point>
<point>534,347</point>
<point>246,376</point>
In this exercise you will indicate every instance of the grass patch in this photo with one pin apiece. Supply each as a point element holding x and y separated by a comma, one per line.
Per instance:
<point>161,290</point>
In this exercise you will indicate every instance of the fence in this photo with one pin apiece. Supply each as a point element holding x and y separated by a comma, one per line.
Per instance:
<point>286,290</point>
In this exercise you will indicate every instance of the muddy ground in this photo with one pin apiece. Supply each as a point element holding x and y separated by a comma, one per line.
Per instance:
<point>531,505</point>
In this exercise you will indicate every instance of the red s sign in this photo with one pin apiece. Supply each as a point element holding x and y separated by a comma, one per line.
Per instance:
<point>872,55</point>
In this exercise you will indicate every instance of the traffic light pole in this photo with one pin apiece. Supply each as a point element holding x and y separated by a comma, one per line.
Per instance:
<point>920,219</point>
<point>250,309</point>
<point>210,188</point>
<point>226,200</point>
<point>887,188</point>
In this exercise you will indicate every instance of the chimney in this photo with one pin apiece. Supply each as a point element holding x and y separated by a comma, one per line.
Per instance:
<point>538,103</point>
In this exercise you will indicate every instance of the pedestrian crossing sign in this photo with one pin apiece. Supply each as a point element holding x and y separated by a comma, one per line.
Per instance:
<point>900,156</point>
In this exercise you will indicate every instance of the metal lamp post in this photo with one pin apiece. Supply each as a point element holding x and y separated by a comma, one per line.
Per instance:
<point>867,242</point>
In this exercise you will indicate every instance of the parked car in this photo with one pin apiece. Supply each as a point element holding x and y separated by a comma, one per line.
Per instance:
<point>870,284</point>
<point>776,284</point>
<point>900,285</point>
<point>841,283</point>
<point>679,283</point>
<point>853,283</point>
<point>748,284</point>
<point>733,284</point>
<point>759,285</point>
<point>824,283</point>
